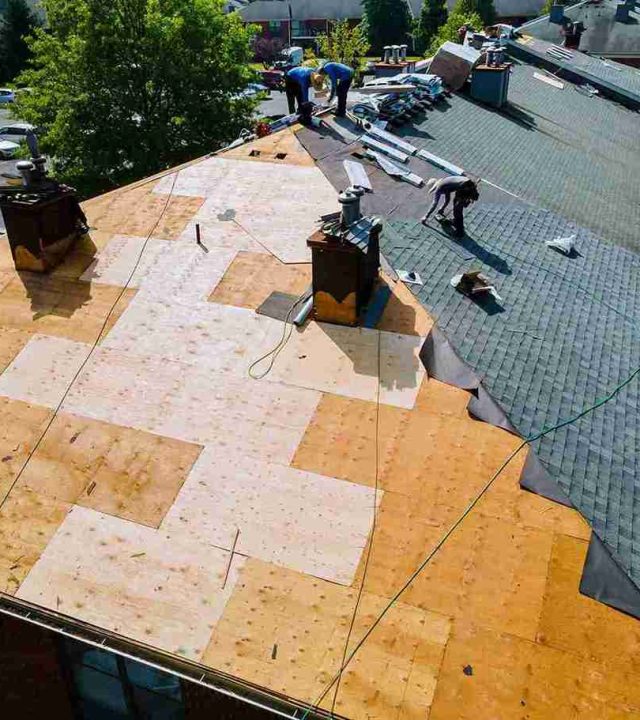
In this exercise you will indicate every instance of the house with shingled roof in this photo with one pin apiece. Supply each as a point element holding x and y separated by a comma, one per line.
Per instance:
<point>432,516</point>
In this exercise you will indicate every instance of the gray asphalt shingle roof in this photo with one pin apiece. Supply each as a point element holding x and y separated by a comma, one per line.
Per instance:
<point>604,34</point>
<point>574,154</point>
<point>567,334</point>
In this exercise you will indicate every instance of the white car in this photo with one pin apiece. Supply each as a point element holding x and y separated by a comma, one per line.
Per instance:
<point>8,149</point>
<point>11,136</point>
<point>6,96</point>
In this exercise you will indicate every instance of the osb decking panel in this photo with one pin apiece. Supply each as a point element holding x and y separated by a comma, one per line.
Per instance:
<point>22,424</point>
<point>252,277</point>
<point>116,470</point>
<point>141,212</point>
<point>54,305</point>
<point>510,678</point>
<point>288,631</point>
<point>268,148</point>
<point>28,521</point>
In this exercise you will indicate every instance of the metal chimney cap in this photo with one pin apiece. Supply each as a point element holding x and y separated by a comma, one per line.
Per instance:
<point>24,165</point>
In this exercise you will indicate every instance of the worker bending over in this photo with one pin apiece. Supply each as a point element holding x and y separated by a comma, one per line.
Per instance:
<point>297,82</point>
<point>465,192</point>
<point>341,77</point>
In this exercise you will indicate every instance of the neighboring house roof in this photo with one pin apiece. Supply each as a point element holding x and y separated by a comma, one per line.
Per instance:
<point>618,80</point>
<point>219,525</point>
<point>337,9</point>
<point>604,35</point>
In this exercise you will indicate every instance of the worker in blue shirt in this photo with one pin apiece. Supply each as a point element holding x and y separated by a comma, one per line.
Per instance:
<point>341,77</point>
<point>297,82</point>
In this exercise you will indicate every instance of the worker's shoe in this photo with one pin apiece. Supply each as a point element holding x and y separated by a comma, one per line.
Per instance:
<point>424,220</point>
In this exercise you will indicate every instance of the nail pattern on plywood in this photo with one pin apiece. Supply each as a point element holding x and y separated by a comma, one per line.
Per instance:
<point>134,581</point>
<point>258,197</point>
<point>344,361</point>
<point>307,522</point>
<point>116,470</point>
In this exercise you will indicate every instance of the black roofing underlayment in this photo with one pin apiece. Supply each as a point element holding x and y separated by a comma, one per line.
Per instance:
<point>565,334</point>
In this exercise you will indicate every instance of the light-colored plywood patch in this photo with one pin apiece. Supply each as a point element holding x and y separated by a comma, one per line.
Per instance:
<point>252,277</point>
<point>139,211</point>
<point>306,522</point>
<point>575,623</point>
<point>288,631</point>
<point>218,337</point>
<point>277,205</point>
<point>113,469</point>
<point>344,361</point>
<point>22,424</point>
<point>28,521</point>
<point>404,314</point>
<point>236,414</point>
<point>508,677</point>
<point>43,370</point>
<point>283,143</point>
<point>340,440</point>
<point>134,581</point>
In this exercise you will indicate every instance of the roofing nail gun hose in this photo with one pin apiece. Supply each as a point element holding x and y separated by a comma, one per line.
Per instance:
<point>459,521</point>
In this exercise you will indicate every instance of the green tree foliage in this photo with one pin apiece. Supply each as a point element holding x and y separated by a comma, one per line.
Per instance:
<point>449,31</point>
<point>16,25</point>
<point>387,22</point>
<point>344,44</point>
<point>484,8</point>
<point>124,88</point>
<point>548,3</point>
<point>433,16</point>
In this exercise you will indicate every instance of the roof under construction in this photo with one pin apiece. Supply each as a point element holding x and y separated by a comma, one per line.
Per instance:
<point>252,532</point>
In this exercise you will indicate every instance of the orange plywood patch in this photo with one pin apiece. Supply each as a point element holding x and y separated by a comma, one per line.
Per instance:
<point>12,341</point>
<point>57,306</point>
<point>340,439</point>
<point>508,677</point>
<point>252,277</point>
<point>22,424</point>
<point>139,211</point>
<point>281,148</point>
<point>578,624</point>
<point>81,255</point>
<point>288,631</point>
<point>113,469</point>
<point>121,305</point>
<point>28,521</point>
<point>463,580</point>
<point>403,313</point>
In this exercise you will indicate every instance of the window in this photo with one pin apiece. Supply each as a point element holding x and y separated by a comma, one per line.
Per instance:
<point>274,26</point>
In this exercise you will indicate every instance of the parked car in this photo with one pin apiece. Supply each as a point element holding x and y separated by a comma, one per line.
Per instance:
<point>8,149</point>
<point>6,96</point>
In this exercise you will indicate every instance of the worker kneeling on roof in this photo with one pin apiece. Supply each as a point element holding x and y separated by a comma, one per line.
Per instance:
<point>465,192</point>
<point>297,82</point>
<point>341,77</point>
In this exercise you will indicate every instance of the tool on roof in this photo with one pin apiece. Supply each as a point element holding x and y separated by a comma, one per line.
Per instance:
<point>474,283</point>
<point>43,217</point>
<point>345,262</point>
<point>395,170</point>
<point>198,240</point>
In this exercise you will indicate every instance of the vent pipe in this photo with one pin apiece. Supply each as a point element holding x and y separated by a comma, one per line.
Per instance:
<point>403,52</point>
<point>387,54</point>
<point>395,50</point>
<point>350,203</point>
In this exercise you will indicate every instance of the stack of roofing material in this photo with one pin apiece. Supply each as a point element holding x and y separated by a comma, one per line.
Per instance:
<point>395,171</point>
<point>377,146</point>
<point>390,139</point>
<point>454,63</point>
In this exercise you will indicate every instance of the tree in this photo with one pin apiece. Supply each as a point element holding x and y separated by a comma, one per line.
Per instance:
<point>449,31</point>
<point>484,8</point>
<point>124,88</point>
<point>386,22</point>
<point>433,16</point>
<point>267,50</point>
<point>549,3</point>
<point>344,44</point>
<point>18,23</point>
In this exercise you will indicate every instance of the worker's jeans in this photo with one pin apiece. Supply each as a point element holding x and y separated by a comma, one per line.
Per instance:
<point>294,93</point>
<point>342,90</point>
